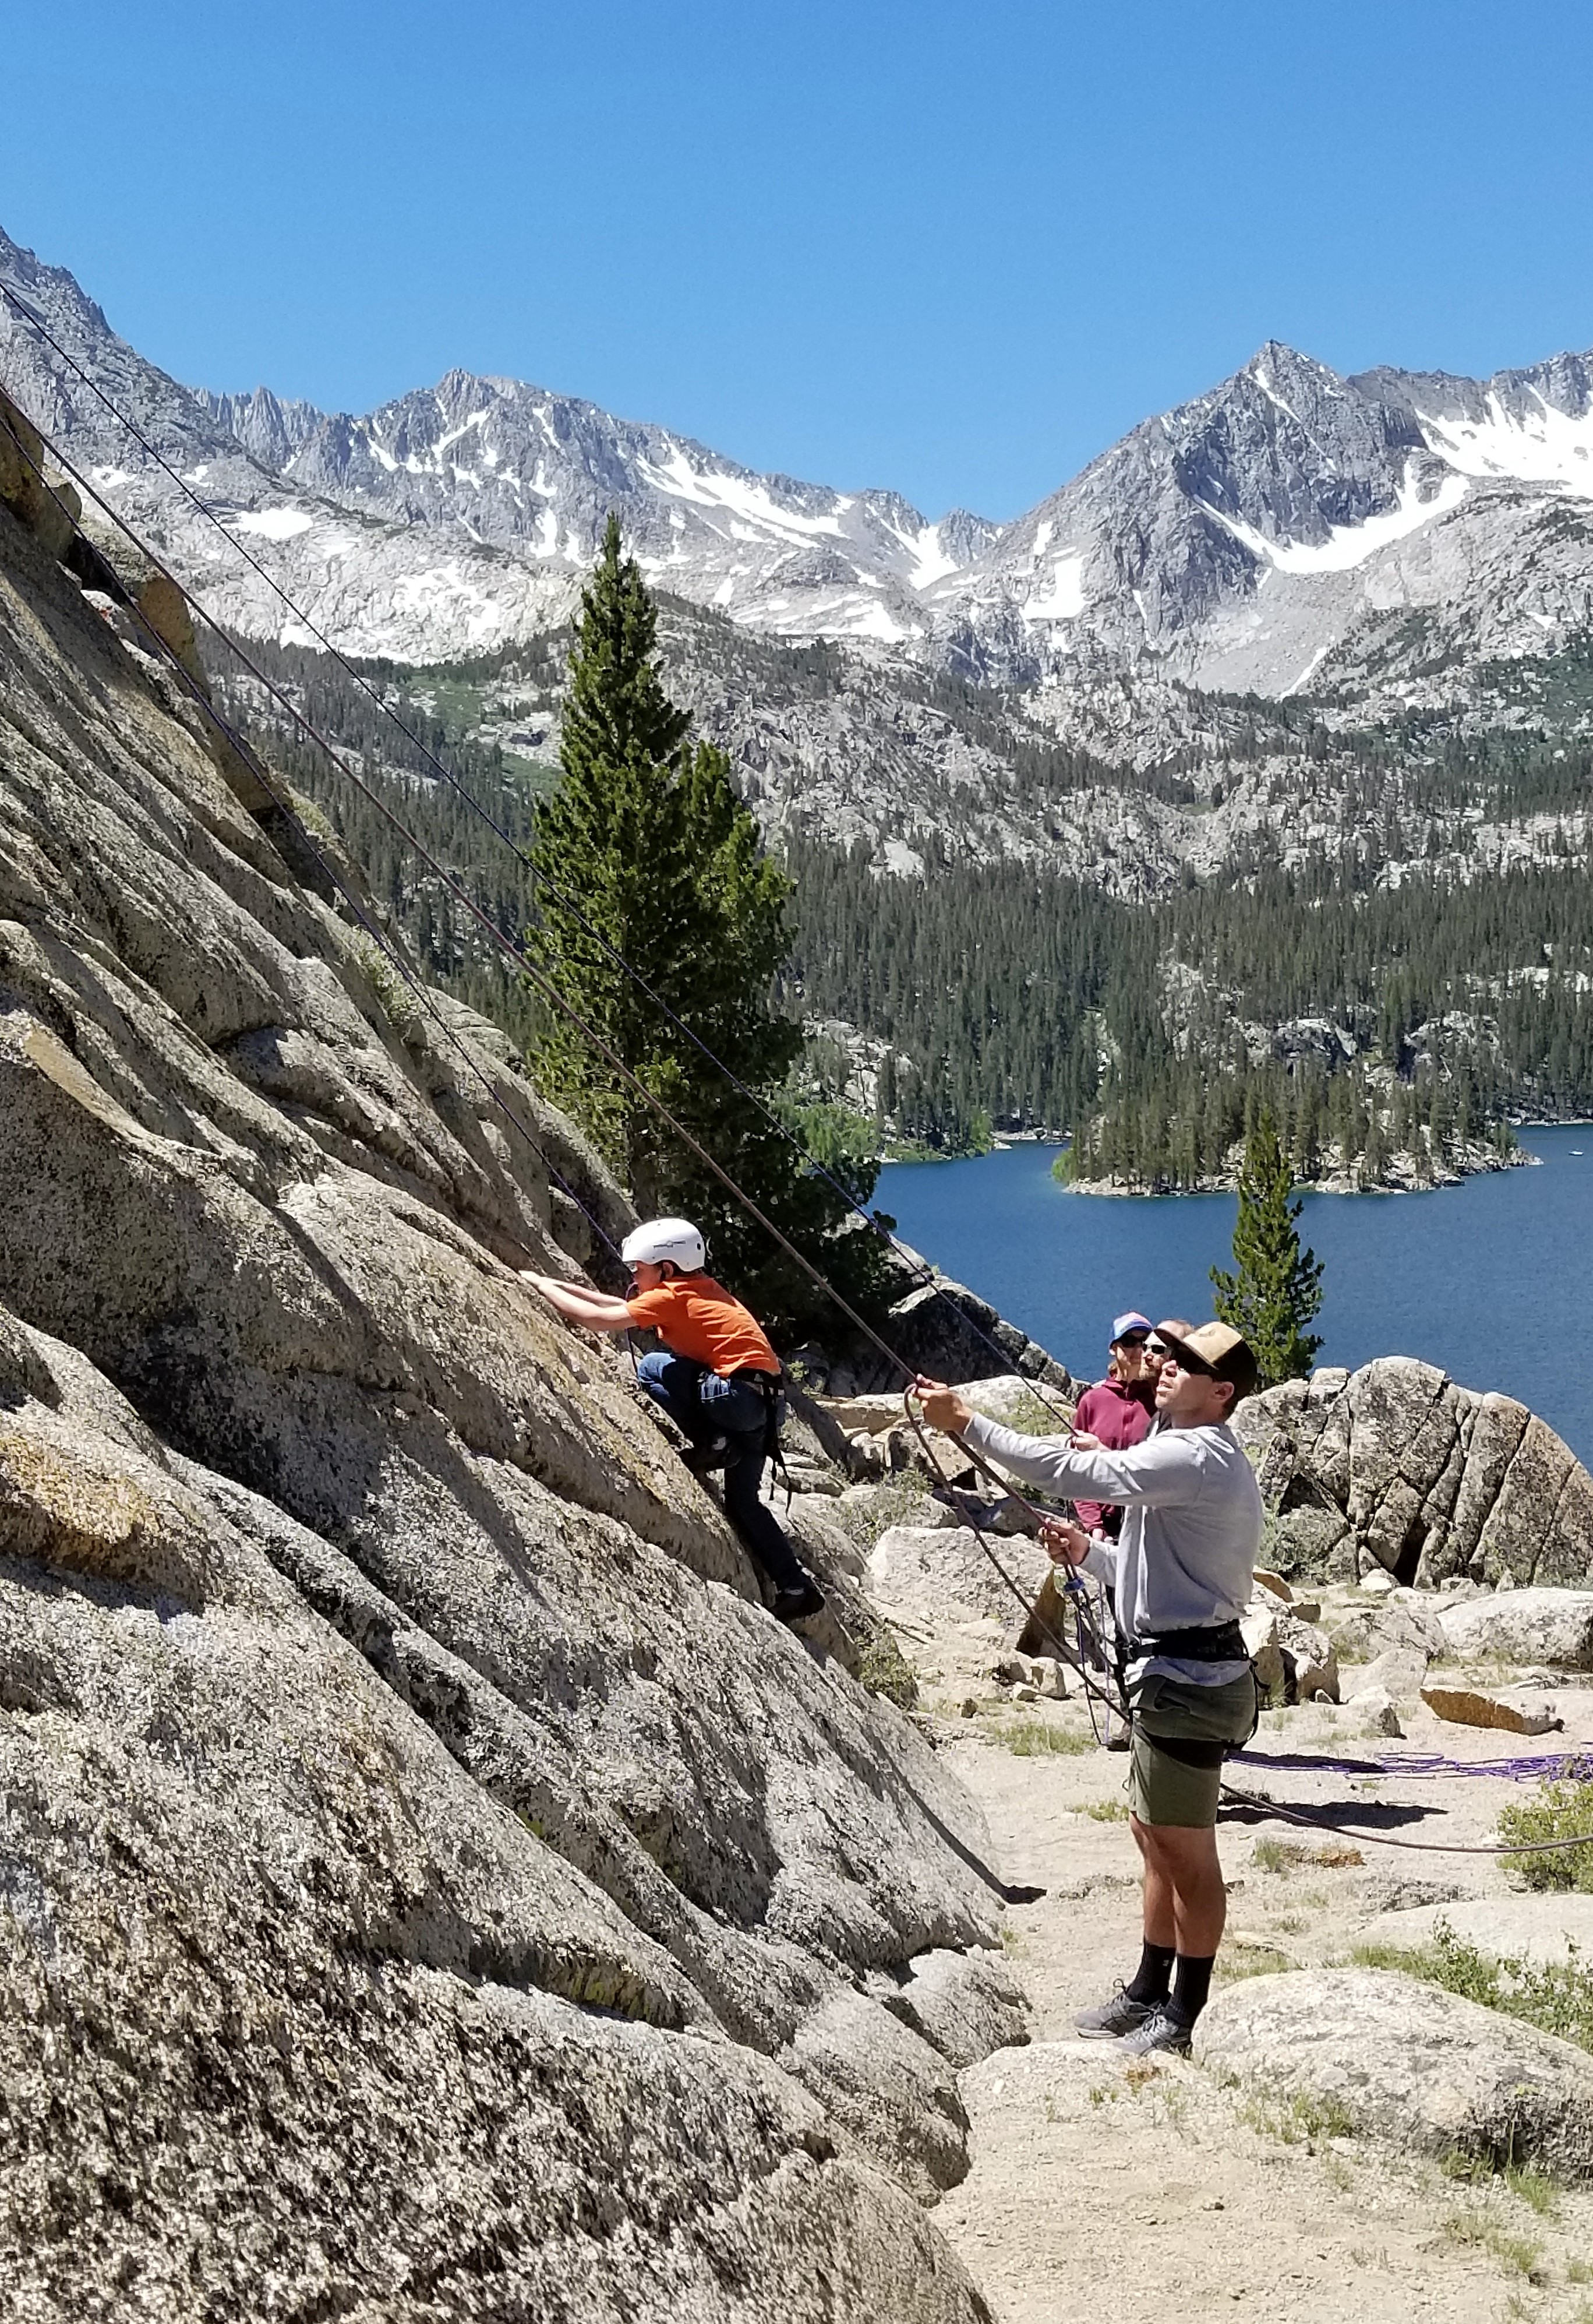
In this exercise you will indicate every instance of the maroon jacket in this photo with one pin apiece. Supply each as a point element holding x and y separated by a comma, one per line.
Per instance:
<point>1120,1412</point>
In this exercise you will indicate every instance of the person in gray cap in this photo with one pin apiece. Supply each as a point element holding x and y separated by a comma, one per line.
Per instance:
<point>1181,1574</point>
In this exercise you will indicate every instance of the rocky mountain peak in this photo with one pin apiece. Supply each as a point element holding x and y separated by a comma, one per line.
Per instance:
<point>1244,538</point>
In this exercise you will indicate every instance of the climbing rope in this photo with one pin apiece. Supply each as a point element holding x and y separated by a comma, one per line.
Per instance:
<point>1089,1647</point>
<point>1114,1705</point>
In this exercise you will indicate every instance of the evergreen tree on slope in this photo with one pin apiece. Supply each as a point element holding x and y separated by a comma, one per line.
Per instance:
<point>645,844</point>
<point>1276,1290</point>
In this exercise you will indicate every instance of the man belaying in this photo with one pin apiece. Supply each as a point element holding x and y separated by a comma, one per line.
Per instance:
<point>1182,1573</point>
<point>716,1376</point>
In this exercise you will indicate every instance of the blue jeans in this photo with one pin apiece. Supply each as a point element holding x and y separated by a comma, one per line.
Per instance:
<point>703,1406</point>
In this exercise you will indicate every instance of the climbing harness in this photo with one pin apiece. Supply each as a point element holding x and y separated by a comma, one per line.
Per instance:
<point>1090,1646</point>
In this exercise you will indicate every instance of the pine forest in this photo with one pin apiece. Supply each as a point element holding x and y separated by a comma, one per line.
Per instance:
<point>1395,1011</point>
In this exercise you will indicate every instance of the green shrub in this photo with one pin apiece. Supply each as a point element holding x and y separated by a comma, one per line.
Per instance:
<point>884,1670</point>
<point>1556,1996</point>
<point>388,987</point>
<point>1557,1811</point>
<point>900,1499</point>
<point>1030,1415</point>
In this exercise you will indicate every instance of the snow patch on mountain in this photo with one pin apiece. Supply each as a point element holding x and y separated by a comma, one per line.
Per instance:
<point>1064,600</point>
<point>741,497</point>
<point>1246,538</point>
<point>1350,545</point>
<point>273,524</point>
<point>1540,447</point>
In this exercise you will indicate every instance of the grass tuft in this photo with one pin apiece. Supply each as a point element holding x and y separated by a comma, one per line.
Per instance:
<point>1295,2117</point>
<point>1037,1738</point>
<point>1557,1810</point>
<point>1531,2186</point>
<point>1516,2254</point>
<point>1239,1959</point>
<point>1291,1855</point>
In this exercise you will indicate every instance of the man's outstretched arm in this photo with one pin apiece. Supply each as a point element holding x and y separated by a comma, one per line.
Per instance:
<point>1160,1469</point>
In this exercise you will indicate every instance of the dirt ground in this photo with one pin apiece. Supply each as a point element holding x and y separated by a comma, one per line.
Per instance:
<point>1106,2187</point>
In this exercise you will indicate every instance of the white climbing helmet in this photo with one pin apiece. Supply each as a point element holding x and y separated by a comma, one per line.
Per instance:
<point>656,1239</point>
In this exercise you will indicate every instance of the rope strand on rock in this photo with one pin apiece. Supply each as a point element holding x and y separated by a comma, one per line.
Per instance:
<point>419,990</point>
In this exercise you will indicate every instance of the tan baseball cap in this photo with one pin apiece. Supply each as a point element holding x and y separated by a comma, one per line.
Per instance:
<point>1217,1348</point>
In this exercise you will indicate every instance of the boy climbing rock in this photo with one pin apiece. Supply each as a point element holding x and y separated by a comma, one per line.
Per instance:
<point>716,1376</point>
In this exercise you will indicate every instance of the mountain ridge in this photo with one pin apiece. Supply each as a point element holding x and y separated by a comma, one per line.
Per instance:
<point>1241,540</point>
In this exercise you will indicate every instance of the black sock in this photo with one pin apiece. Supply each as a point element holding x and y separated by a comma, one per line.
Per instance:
<point>1152,1979</point>
<point>1191,1986</point>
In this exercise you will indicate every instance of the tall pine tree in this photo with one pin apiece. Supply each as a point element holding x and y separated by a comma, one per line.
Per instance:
<point>1276,1290</point>
<point>645,843</point>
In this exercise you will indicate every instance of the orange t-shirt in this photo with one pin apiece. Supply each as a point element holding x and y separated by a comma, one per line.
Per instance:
<point>696,1317</point>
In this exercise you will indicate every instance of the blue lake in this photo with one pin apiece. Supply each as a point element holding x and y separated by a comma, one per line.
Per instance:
<point>1493,1279</point>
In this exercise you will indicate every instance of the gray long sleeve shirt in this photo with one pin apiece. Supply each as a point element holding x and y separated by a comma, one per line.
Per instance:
<point>1190,1529</point>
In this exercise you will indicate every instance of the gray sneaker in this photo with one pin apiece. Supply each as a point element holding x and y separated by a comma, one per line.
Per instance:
<point>1109,2019</point>
<point>1159,2031</point>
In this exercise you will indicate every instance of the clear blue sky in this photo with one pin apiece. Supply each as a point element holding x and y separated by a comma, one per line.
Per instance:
<point>954,249</point>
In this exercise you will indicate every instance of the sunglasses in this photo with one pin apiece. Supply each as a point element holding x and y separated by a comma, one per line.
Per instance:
<point>1186,1362</point>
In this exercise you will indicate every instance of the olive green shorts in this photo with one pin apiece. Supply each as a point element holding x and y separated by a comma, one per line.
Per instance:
<point>1181,1733</point>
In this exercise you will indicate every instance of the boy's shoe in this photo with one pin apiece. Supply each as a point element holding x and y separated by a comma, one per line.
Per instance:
<point>1108,2020</point>
<point>1161,2030</point>
<point>797,1605</point>
<point>701,1458</point>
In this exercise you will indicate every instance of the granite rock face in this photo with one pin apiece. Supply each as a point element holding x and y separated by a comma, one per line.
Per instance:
<point>430,1885</point>
<point>1399,1466</point>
